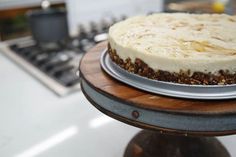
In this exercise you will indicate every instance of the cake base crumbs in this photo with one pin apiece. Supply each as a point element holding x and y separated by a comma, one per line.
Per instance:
<point>183,77</point>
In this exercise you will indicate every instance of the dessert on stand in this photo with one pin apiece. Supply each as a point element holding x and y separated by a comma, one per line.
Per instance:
<point>177,47</point>
<point>172,126</point>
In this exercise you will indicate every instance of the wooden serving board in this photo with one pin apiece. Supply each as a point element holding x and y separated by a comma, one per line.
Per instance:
<point>92,73</point>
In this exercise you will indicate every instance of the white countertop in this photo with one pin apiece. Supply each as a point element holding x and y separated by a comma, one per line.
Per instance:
<point>31,117</point>
<point>36,122</point>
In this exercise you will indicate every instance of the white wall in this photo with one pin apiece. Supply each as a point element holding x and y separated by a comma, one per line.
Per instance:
<point>83,11</point>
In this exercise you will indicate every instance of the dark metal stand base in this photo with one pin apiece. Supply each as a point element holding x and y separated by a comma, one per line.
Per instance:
<point>153,144</point>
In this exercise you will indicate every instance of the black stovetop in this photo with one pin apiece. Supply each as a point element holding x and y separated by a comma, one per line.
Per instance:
<point>56,63</point>
<point>59,61</point>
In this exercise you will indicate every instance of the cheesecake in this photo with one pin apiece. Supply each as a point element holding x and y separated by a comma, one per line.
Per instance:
<point>177,47</point>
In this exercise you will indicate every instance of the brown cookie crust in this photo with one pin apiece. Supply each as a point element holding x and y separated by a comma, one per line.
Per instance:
<point>183,77</point>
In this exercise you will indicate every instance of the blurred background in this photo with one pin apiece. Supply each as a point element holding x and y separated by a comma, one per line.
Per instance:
<point>42,109</point>
<point>13,22</point>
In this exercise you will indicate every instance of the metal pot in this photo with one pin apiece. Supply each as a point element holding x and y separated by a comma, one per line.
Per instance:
<point>48,25</point>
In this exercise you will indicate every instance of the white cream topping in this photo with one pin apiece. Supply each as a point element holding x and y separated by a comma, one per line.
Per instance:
<point>179,41</point>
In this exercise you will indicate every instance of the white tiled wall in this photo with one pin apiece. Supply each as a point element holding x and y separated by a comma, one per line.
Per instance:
<point>83,11</point>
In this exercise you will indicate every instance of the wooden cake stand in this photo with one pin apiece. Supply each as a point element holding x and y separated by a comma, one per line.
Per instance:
<point>173,127</point>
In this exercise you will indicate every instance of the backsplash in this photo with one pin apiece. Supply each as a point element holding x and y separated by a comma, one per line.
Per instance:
<point>85,11</point>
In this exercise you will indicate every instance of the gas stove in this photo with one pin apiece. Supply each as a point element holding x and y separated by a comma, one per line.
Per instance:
<point>56,67</point>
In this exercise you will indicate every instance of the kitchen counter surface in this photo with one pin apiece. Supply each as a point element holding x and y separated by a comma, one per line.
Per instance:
<point>36,122</point>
